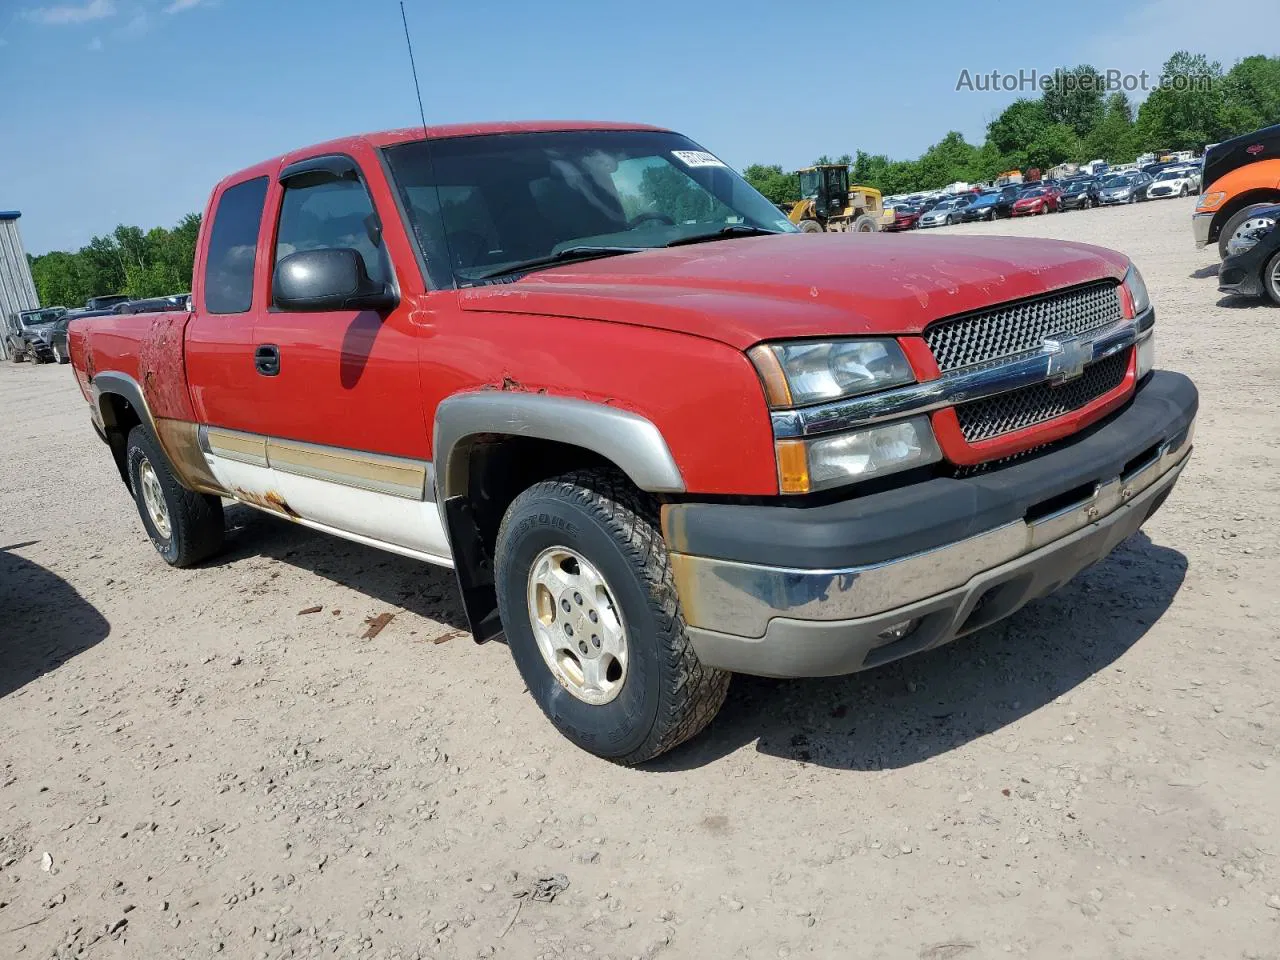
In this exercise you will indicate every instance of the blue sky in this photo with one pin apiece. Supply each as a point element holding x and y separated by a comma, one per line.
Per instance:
<point>129,110</point>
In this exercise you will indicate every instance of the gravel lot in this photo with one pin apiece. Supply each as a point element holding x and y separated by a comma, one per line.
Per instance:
<point>191,766</point>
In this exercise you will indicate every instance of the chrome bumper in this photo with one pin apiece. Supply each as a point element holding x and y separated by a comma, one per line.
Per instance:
<point>784,622</point>
<point>1200,224</point>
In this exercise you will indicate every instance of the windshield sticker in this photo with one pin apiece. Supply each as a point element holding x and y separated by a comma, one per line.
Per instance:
<point>783,224</point>
<point>697,158</point>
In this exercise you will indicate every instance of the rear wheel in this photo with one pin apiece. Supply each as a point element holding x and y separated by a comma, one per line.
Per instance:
<point>1271,278</point>
<point>185,527</point>
<point>593,620</point>
<point>60,354</point>
<point>810,226</point>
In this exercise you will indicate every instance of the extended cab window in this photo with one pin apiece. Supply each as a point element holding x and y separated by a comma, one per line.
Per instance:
<point>233,243</point>
<point>324,213</point>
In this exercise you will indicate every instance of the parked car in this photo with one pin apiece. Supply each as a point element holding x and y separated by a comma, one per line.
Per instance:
<point>904,218</point>
<point>1173,182</point>
<point>820,514</point>
<point>983,207</point>
<point>58,339</point>
<point>1252,265</point>
<point>105,302</point>
<point>1079,194</point>
<point>1008,197</point>
<point>150,305</point>
<point>1239,175</point>
<point>1036,200</point>
<point>27,334</point>
<point>1127,187</point>
<point>945,212</point>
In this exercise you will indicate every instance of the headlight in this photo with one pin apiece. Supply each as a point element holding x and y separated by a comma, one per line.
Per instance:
<point>819,463</point>
<point>1146,355</point>
<point>1137,288</point>
<point>1211,201</point>
<point>795,374</point>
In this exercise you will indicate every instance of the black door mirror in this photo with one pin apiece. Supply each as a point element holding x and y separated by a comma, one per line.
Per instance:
<point>332,279</point>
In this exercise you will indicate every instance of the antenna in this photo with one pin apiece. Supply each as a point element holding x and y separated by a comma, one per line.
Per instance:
<point>414,67</point>
<point>426,149</point>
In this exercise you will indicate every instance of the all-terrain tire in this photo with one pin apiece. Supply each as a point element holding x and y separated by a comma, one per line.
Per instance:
<point>667,695</point>
<point>810,226</point>
<point>196,526</point>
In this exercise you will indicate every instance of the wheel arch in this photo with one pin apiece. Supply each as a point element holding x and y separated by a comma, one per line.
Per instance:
<point>119,407</point>
<point>1238,203</point>
<point>488,446</point>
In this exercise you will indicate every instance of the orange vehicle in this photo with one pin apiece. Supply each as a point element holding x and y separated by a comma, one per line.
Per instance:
<point>1239,176</point>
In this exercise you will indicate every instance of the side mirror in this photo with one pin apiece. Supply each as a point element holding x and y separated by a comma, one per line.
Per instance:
<point>332,279</point>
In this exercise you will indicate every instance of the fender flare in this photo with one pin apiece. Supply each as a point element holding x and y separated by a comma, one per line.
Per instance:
<point>627,439</point>
<point>120,384</point>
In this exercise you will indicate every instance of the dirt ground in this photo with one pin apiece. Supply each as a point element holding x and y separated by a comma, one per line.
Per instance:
<point>192,766</point>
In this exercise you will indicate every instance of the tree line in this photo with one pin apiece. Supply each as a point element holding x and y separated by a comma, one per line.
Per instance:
<point>1074,121</point>
<point>130,261</point>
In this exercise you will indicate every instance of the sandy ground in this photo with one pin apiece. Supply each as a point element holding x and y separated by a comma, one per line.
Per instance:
<point>190,766</point>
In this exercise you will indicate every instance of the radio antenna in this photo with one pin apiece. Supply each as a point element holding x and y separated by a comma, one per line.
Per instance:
<point>426,149</point>
<point>414,67</point>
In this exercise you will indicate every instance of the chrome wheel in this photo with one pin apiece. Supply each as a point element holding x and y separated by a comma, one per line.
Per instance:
<point>1246,234</point>
<point>1273,279</point>
<point>153,499</point>
<point>578,625</point>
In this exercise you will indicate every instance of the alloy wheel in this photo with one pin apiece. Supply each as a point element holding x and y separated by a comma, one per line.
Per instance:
<point>578,625</point>
<point>153,499</point>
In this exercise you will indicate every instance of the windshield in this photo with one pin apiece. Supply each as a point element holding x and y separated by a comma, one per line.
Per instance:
<point>810,183</point>
<point>37,317</point>
<point>1172,175</point>
<point>487,204</point>
<point>1033,192</point>
<point>1116,181</point>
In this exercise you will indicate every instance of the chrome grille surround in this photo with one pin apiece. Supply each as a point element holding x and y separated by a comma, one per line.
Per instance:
<point>1040,402</point>
<point>1021,327</point>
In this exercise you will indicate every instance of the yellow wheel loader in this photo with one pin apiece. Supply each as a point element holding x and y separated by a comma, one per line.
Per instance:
<point>828,204</point>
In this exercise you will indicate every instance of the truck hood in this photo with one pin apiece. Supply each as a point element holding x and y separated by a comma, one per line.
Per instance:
<point>750,289</point>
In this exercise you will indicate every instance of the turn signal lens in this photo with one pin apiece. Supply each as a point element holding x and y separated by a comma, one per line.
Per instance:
<point>1211,201</point>
<point>1146,355</point>
<point>793,466</point>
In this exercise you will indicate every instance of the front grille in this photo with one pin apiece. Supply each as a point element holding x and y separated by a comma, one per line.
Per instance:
<point>1161,191</point>
<point>1019,409</point>
<point>1022,327</point>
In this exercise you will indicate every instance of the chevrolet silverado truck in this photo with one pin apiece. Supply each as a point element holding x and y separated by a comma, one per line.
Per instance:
<point>659,434</point>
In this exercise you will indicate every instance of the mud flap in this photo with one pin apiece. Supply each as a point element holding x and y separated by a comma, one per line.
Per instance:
<point>474,568</point>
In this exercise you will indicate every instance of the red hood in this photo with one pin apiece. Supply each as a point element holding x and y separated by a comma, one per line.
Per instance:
<point>820,284</point>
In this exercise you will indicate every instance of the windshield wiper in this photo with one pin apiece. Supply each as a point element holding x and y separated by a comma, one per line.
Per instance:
<point>582,252</point>
<point>733,230</point>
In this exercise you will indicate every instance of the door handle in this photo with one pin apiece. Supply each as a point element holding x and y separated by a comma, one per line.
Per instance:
<point>266,359</point>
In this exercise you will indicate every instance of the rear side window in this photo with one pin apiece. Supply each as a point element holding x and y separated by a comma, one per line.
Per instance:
<point>233,242</point>
<point>328,214</point>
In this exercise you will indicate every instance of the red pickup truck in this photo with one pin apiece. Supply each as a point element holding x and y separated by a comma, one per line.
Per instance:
<point>660,435</point>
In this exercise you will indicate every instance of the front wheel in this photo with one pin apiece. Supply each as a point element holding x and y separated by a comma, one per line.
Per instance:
<point>1271,278</point>
<point>593,620</point>
<point>185,527</point>
<point>810,226</point>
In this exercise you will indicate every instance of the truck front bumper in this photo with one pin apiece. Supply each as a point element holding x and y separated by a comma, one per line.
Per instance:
<point>821,591</point>
<point>1200,228</point>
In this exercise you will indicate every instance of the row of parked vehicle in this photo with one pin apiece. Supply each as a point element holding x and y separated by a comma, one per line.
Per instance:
<point>41,335</point>
<point>1154,182</point>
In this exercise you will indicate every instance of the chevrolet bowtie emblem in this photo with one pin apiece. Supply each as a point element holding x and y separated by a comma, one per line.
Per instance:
<point>1067,358</point>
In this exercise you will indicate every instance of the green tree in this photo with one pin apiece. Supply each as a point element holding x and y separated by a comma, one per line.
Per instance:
<point>1187,110</point>
<point>1113,138</point>
<point>773,182</point>
<point>1251,94</point>
<point>1019,125</point>
<point>1075,98</point>
<point>948,160</point>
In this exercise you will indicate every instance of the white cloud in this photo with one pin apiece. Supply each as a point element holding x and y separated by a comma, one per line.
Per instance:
<point>72,13</point>
<point>138,25</point>
<point>179,5</point>
<point>95,43</point>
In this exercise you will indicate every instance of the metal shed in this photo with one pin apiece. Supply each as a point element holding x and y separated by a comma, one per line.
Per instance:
<point>17,289</point>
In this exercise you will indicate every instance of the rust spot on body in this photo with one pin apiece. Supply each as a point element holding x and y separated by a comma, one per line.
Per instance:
<point>271,500</point>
